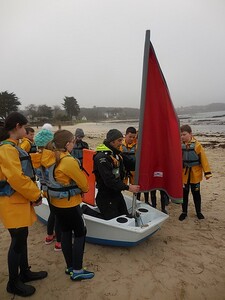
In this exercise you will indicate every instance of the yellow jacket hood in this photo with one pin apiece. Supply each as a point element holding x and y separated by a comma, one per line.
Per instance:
<point>47,158</point>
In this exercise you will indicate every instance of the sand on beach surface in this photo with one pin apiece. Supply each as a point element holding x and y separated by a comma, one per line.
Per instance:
<point>184,260</point>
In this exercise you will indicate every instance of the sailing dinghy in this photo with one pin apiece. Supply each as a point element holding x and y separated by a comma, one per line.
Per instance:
<point>157,173</point>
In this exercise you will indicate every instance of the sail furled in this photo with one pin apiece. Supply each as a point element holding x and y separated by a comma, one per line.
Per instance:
<point>159,155</point>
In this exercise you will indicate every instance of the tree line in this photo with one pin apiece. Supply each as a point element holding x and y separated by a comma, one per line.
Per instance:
<point>70,111</point>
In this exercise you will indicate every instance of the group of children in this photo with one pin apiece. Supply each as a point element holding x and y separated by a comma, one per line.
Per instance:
<point>195,164</point>
<point>62,179</point>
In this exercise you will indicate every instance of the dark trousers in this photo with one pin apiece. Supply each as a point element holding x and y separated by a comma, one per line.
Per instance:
<point>52,224</point>
<point>195,190</point>
<point>146,195</point>
<point>164,199</point>
<point>111,204</point>
<point>72,223</point>
<point>17,254</point>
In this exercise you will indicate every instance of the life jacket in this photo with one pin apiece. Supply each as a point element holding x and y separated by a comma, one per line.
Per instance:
<point>33,148</point>
<point>27,167</point>
<point>190,157</point>
<point>77,151</point>
<point>56,189</point>
<point>40,172</point>
<point>127,150</point>
<point>115,160</point>
<point>129,158</point>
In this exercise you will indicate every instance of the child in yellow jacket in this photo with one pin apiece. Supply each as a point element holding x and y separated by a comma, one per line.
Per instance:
<point>65,183</point>
<point>27,142</point>
<point>195,163</point>
<point>18,196</point>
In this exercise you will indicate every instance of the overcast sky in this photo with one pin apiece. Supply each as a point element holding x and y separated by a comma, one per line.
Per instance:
<point>93,50</point>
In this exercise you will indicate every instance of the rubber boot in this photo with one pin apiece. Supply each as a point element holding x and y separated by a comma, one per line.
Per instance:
<point>19,288</point>
<point>28,275</point>
<point>153,198</point>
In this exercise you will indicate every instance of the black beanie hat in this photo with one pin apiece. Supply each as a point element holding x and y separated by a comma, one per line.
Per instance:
<point>113,134</point>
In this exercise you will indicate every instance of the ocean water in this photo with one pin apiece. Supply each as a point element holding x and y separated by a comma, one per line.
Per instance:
<point>210,122</point>
<point>201,123</point>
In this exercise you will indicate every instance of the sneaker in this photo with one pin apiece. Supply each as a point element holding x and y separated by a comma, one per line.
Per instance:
<point>49,239</point>
<point>200,216</point>
<point>85,274</point>
<point>28,275</point>
<point>20,289</point>
<point>58,247</point>
<point>165,211</point>
<point>182,216</point>
<point>69,271</point>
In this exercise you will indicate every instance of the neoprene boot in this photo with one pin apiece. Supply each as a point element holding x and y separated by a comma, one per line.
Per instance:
<point>28,275</point>
<point>17,287</point>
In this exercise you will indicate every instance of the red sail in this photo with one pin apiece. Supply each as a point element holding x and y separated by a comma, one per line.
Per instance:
<point>159,156</point>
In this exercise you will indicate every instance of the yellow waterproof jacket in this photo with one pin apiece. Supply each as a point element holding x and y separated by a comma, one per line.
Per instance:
<point>16,210</point>
<point>67,170</point>
<point>25,144</point>
<point>196,172</point>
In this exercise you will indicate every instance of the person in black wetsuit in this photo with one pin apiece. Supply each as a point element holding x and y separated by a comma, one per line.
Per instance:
<point>109,172</point>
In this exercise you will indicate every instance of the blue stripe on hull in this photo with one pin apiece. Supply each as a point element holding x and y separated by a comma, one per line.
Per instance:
<point>42,220</point>
<point>110,242</point>
<point>116,243</point>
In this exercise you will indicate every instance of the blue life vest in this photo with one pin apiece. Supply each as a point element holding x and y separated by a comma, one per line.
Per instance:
<point>40,172</point>
<point>27,167</point>
<point>33,148</point>
<point>190,157</point>
<point>77,151</point>
<point>129,151</point>
<point>56,189</point>
<point>129,158</point>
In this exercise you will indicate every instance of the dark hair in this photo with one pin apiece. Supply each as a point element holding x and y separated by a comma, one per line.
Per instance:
<point>186,128</point>
<point>131,130</point>
<point>29,129</point>
<point>10,123</point>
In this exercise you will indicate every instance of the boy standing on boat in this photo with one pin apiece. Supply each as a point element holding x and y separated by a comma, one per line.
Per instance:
<point>109,172</point>
<point>128,149</point>
<point>194,164</point>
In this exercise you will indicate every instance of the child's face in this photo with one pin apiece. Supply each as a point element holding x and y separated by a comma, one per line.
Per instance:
<point>19,131</point>
<point>70,145</point>
<point>130,137</point>
<point>186,136</point>
<point>30,136</point>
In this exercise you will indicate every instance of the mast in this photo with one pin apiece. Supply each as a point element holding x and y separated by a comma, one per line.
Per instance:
<point>142,105</point>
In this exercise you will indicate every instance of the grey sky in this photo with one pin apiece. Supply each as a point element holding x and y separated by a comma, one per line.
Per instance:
<point>93,50</point>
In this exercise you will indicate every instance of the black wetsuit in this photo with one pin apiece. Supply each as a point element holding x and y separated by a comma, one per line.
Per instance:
<point>109,172</point>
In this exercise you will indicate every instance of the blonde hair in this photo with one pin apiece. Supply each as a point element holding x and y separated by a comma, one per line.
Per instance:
<point>58,144</point>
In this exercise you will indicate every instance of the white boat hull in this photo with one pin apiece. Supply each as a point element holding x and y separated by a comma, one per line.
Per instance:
<point>120,231</point>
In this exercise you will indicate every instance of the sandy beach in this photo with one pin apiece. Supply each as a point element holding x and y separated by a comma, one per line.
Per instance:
<point>184,260</point>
